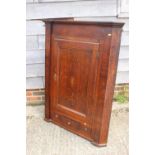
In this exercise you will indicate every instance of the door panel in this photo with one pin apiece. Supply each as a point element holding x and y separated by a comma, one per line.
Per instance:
<point>74,65</point>
<point>73,77</point>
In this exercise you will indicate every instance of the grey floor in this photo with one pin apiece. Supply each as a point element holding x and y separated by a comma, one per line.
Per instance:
<point>48,139</point>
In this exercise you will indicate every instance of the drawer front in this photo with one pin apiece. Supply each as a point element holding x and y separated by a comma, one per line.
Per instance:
<point>82,129</point>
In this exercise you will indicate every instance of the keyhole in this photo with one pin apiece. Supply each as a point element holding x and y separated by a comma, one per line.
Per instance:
<point>55,76</point>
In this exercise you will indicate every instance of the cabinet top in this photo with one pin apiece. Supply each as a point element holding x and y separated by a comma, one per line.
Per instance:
<point>112,24</point>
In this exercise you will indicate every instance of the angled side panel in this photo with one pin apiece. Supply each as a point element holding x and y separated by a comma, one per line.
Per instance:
<point>47,69</point>
<point>111,78</point>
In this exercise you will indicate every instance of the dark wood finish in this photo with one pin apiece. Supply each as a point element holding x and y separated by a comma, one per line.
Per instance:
<point>48,33</point>
<point>81,64</point>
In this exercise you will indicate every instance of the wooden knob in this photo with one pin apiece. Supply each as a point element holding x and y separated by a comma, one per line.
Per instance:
<point>56,116</point>
<point>69,123</point>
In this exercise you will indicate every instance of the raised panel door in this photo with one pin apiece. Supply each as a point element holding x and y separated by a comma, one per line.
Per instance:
<point>74,66</point>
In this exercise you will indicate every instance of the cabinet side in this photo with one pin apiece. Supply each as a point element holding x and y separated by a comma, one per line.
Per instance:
<point>111,78</point>
<point>48,33</point>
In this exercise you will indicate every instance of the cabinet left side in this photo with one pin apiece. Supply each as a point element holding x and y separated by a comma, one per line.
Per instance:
<point>48,34</point>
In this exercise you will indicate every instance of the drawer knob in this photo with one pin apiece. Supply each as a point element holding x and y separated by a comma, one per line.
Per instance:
<point>109,34</point>
<point>85,124</point>
<point>69,123</point>
<point>56,116</point>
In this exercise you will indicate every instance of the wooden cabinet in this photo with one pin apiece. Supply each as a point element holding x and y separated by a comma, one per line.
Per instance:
<point>80,70</point>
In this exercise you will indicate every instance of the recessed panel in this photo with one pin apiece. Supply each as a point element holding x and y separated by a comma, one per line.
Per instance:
<point>74,67</point>
<point>75,61</point>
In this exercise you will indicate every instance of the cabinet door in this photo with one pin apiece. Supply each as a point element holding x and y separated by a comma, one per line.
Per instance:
<point>73,74</point>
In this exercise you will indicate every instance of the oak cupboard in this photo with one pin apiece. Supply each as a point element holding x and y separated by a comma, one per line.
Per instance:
<point>80,71</point>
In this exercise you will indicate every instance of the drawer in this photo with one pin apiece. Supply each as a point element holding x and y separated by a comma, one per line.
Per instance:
<point>82,129</point>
